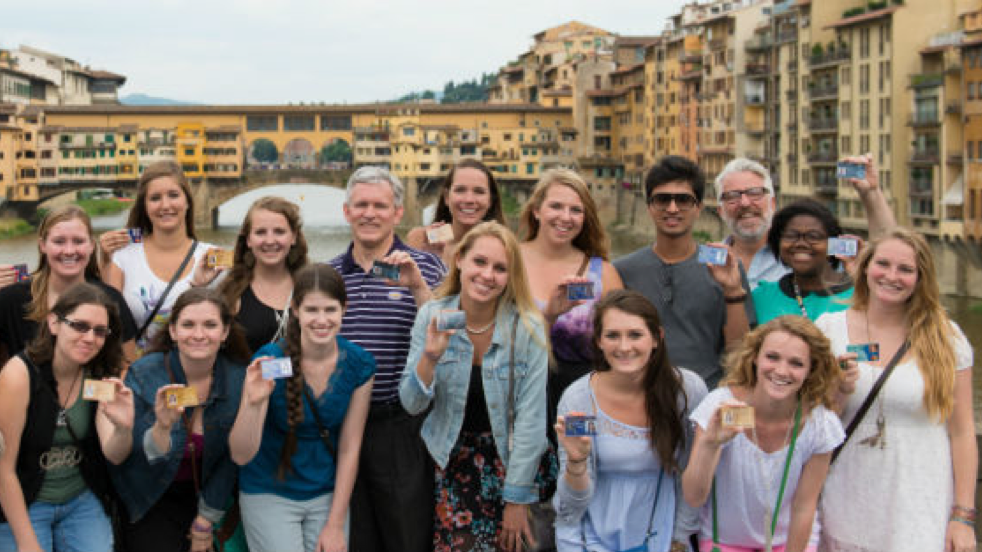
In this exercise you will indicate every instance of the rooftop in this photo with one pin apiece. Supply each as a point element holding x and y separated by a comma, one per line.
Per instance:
<point>473,107</point>
<point>863,17</point>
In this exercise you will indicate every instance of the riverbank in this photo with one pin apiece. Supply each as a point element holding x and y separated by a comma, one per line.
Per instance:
<point>14,227</point>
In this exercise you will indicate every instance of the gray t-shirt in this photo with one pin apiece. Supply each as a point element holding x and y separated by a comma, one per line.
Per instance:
<point>691,306</point>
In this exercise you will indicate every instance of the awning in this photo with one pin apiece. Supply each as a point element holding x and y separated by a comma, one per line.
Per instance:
<point>955,195</point>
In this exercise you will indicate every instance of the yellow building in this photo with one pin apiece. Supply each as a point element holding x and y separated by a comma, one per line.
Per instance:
<point>971,106</point>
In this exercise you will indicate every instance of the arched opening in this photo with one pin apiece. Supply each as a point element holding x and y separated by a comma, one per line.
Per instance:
<point>298,154</point>
<point>335,156</point>
<point>263,155</point>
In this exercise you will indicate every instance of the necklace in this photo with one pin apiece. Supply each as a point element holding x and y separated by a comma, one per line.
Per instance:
<point>62,419</point>
<point>480,330</point>
<point>770,514</point>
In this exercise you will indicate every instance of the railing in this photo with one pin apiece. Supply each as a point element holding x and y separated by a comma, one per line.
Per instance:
<point>758,69</point>
<point>793,65</point>
<point>926,80</point>
<point>955,158</point>
<point>823,157</point>
<point>923,119</point>
<point>824,92</point>
<point>758,43</point>
<point>787,36</point>
<point>755,99</point>
<point>954,107</point>
<point>829,124</point>
<point>925,156</point>
<point>827,186</point>
<point>792,158</point>
<point>830,57</point>
<point>792,94</point>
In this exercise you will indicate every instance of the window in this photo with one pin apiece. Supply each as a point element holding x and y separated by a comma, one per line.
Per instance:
<point>260,123</point>
<point>846,110</point>
<point>846,76</point>
<point>864,78</point>
<point>864,117</point>
<point>298,123</point>
<point>864,43</point>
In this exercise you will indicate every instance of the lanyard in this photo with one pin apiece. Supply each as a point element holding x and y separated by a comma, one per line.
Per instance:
<point>797,296</point>
<point>780,493</point>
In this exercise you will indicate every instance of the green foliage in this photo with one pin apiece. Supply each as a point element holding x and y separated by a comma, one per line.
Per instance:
<point>264,151</point>
<point>817,51</point>
<point>702,236</point>
<point>100,207</point>
<point>339,150</point>
<point>474,90</point>
<point>10,228</point>
<point>509,204</point>
<point>854,11</point>
<point>873,6</point>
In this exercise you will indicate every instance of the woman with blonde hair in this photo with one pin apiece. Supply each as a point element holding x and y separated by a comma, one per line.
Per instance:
<point>566,244</point>
<point>269,250</point>
<point>757,481</point>
<point>66,256</point>
<point>905,480</point>
<point>484,384</point>
<point>469,195</point>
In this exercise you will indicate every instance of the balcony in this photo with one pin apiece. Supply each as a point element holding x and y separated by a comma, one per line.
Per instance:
<point>926,80</point>
<point>690,56</point>
<point>824,91</point>
<point>793,66</point>
<point>793,126</point>
<point>823,157</point>
<point>924,119</point>
<point>953,108</point>
<point>921,188</point>
<point>955,158</point>
<point>792,94</point>
<point>789,35</point>
<point>755,129</point>
<point>792,158</point>
<point>759,44</point>
<point>827,186</point>
<point>926,156</point>
<point>823,125</point>
<point>758,69</point>
<point>832,57</point>
<point>717,44</point>
<point>754,99</point>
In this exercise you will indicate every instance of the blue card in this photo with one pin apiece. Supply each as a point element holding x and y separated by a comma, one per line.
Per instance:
<point>844,247</point>
<point>276,368</point>
<point>385,270</point>
<point>850,170</point>
<point>579,291</point>
<point>712,255</point>
<point>865,352</point>
<point>578,426</point>
<point>22,273</point>
<point>136,234</point>
<point>451,320</point>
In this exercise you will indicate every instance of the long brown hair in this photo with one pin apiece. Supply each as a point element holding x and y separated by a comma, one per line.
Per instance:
<point>108,361</point>
<point>928,326</point>
<point>823,376</point>
<point>665,400</point>
<point>591,240</point>
<point>138,214</point>
<point>240,276</point>
<point>312,278</point>
<point>495,211</point>
<point>235,346</point>
<point>37,309</point>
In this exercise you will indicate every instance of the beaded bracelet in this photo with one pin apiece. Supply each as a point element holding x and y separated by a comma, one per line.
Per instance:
<point>960,519</point>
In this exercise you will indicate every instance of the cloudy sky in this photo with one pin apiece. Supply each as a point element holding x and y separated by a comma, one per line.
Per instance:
<point>258,51</point>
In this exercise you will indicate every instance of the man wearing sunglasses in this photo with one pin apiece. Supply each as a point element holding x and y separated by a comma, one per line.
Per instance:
<point>746,199</point>
<point>701,305</point>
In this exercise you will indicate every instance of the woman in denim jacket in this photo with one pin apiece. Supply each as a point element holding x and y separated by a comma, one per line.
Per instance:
<point>486,470</point>
<point>175,488</point>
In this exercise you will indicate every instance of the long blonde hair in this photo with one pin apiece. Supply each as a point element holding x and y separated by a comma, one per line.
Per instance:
<point>928,326</point>
<point>37,309</point>
<point>517,291</point>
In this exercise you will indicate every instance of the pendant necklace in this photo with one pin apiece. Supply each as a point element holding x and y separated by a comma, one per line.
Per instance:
<point>765,476</point>
<point>62,419</point>
<point>880,437</point>
<point>480,330</point>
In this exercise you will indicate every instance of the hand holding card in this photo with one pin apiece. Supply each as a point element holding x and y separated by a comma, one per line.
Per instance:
<point>579,426</point>
<point>385,271</point>
<point>98,390</point>
<point>712,255</point>
<point>276,368</point>
<point>179,397</point>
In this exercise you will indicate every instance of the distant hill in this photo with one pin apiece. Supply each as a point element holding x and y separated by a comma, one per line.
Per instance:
<point>143,99</point>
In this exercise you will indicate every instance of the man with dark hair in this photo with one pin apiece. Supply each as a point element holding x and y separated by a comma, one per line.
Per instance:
<point>701,305</point>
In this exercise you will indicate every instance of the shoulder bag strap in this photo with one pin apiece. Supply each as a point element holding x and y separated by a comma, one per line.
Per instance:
<point>873,393</point>
<point>511,385</point>
<point>163,296</point>
<point>321,428</point>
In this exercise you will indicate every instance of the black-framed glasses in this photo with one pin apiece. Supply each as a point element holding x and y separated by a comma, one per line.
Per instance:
<point>753,194</point>
<point>811,237</point>
<point>84,327</point>
<point>682,200</point>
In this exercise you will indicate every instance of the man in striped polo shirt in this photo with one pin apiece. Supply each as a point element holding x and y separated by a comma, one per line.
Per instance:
<point>392,503</point>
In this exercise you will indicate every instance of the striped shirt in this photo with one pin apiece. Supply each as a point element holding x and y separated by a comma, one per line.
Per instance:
<point>380,317</point>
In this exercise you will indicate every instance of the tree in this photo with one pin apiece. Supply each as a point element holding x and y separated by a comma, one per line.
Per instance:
<point>264,151</point>
<point>339,150</point>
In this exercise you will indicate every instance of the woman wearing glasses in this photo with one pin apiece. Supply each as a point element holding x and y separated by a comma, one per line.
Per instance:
<point>800,234</point>
<point>53,480</point>
<point>566,244</point>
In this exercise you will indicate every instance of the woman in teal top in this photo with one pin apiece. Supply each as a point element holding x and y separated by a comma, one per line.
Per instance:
<point>298,438</point>
<point>800,234</point>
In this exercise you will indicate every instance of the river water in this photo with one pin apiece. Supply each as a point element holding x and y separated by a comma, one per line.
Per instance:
<point>327,235</point>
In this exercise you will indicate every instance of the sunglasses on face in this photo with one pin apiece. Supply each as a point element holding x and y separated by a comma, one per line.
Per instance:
<point>812,237</point>
<point>753,194</point>
<point>84,327</point>
<point>682,201</point>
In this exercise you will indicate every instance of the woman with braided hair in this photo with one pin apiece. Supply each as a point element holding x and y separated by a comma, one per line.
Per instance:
<point>298,438</point>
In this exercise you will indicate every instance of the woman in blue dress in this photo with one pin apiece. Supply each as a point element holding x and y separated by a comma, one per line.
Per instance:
<point>619,489</point>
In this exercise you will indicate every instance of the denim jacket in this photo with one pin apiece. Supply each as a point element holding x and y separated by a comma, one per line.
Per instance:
<point>448,394</point>
<point>145,475</point>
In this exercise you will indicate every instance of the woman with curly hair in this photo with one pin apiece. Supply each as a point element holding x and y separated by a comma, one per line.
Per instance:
<point>905,480</point>
<point>269,250</point>
<point>298,438</point>
<point>53,482</point>
<point>757,474</point>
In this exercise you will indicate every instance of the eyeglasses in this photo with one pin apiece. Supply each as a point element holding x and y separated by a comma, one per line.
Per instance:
<point>753,194</point>
<point>84,327</point>
<point>811,237</point>
<point>682,201</point>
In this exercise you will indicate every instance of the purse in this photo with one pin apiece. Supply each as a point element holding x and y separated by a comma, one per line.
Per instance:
<point>542,516</point>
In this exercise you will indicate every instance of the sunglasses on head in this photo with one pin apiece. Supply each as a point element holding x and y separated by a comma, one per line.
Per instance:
<point>84,327</point>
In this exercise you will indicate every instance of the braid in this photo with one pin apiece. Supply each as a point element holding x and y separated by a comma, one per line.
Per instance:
<point>294,398</point>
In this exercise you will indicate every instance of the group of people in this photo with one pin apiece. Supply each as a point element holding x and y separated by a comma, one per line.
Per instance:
<point>729,407</point>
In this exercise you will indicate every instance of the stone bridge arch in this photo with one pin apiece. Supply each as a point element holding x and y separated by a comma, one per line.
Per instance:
<point>298,154</point>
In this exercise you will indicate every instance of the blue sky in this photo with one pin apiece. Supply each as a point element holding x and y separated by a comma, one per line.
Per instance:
<point>257,51</point>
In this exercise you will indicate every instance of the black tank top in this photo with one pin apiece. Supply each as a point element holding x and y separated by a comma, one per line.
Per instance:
<point>476,418</point>
<point>259,320</point>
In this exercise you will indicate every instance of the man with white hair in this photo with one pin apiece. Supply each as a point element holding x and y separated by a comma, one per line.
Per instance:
<point>747,202</point>
<point>392,502</point>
